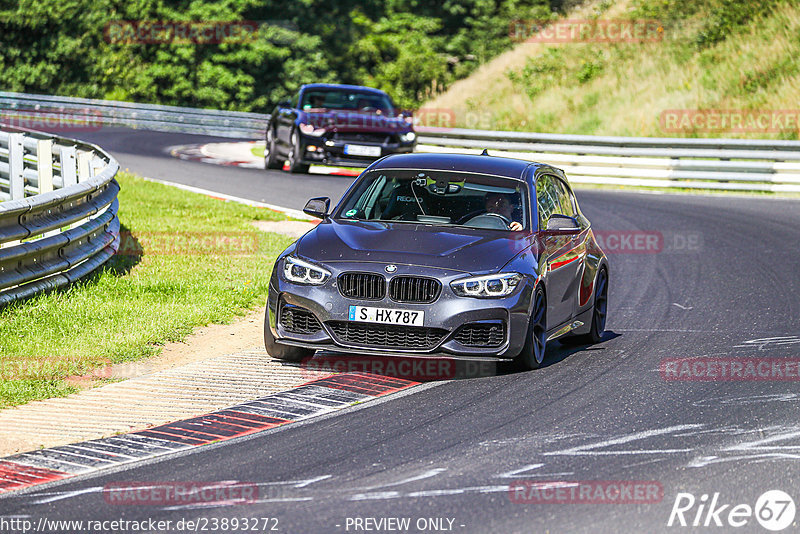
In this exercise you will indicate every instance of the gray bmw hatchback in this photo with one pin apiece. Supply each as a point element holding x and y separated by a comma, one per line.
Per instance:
<point>441,254</point>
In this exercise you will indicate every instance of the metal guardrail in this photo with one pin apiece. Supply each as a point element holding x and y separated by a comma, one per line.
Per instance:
<point>732,164</point>
<point>58,212</point>
<point>29,110</point>
<point>727,164</point>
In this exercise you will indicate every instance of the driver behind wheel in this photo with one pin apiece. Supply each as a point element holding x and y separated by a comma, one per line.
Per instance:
<point>500,204</point>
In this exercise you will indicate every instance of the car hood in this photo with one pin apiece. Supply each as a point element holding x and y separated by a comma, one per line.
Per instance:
<point>343,121</point>
<point>460,249</point>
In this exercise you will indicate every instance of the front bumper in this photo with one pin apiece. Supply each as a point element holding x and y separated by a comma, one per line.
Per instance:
<point>446,316</point>
<point>330,150</point>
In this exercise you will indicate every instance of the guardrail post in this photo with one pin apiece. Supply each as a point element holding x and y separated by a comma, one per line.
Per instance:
<point>96,166</point>
<point>16,164</point>
<point>84,172</point>
<point>44,163</point>
<point>69,169</point>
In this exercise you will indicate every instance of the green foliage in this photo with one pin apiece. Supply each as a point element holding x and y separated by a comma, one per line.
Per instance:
<point>539,72</point>
<point>724,17</point>
<point>410,49</point>
<point>550,68</point>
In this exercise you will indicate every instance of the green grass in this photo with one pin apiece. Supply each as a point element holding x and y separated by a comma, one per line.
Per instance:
<point>133,305</point>
<point>715,54</point>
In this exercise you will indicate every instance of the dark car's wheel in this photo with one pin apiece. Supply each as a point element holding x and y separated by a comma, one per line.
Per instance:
<point>296,155</point>
<point>271,158</point>
<point>280,351</point>
<point>600,307</point>
<point>532,354</point>
<point>599,312</point>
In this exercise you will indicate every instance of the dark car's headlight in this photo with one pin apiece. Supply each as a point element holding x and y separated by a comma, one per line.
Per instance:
<point>310,129</point>
<point>487,286</point>
<point>408,137</point>
<point>302,272</point>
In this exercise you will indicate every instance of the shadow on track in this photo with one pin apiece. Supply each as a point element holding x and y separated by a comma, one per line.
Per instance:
<point>430,368</point>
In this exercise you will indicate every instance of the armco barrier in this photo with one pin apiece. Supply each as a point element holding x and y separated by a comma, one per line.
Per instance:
<point>30,110</point>
<point>58,211</point>
<point>731,164</point>
<point>728,164</point>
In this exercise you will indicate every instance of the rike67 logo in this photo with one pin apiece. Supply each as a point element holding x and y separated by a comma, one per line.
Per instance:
<point>774,510</point>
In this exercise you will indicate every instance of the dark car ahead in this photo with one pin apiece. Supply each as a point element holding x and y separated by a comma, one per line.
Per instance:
<point>331,124</point>
<point>465,255</point>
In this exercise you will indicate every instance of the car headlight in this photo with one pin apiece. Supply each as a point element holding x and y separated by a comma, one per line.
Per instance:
<point>487,286</point>
<point>301,272</point>
<point>408,137</point>
<point>310,129</point>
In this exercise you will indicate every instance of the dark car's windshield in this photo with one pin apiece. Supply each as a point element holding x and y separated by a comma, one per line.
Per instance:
<point>438,197</point>
<point>347,100</point>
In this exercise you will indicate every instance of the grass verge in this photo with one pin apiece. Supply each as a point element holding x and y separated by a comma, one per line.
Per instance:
<point>186,260</point>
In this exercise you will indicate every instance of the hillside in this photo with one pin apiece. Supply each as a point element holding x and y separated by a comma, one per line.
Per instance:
<point>738,57</point>
<point>247,55</point>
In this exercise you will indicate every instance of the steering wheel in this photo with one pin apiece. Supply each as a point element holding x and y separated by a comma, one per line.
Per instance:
<point>492,219</point>
<point>470,215</point>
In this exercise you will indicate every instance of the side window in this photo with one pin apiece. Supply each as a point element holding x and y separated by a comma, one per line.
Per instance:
<point>546,199</point>
<point>565,198</point>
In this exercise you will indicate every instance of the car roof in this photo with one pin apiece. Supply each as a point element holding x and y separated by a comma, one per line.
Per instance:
<point>493,165</point>
<point>342,86</point>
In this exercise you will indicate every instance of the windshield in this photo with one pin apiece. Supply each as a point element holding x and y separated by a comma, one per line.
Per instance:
<point>440,198</point>
<point>347,100</point>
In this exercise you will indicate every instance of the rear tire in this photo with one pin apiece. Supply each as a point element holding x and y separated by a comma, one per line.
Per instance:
<point>533,352</point>
<point>279,351</point>
<point>271,158</point>
<point>295,156</point>
<point>599,312</point>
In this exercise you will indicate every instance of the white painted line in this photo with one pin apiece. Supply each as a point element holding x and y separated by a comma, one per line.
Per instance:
<point>304,483</point>
<point>61,495</point>
<point>516,472</point>
<point>423,476</point>
<point>295,214</point>
<point>586,450</point>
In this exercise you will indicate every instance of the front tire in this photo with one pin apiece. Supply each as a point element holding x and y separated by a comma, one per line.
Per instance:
<point>271,158</point>
<point>533,351</point>
<point>279,351</point>
<point>295,156</point>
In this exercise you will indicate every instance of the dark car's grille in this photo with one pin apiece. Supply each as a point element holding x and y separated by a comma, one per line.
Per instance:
<point>386,336</point>
<point>299,320</point>
<point>358,137</point>
<point>481,335</point>
<point>362,286</point>
<point>414,289</point>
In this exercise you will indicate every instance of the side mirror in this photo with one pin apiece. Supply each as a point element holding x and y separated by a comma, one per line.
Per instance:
<point>563,223</point>
<point>405,114</point>
<point>318,207</point>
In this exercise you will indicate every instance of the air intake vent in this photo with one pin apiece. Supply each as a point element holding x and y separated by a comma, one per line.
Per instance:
<point>298,320</point>
<point>367,286</point>
<point>414,289</point>
<point>481,334</point>
<point>386,336</point>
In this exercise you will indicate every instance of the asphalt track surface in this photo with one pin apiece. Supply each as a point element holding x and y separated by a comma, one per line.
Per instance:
<point>725,274</point>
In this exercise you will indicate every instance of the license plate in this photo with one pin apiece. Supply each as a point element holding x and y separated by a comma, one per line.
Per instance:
<point>366,314</point>
<point>362,150</point>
